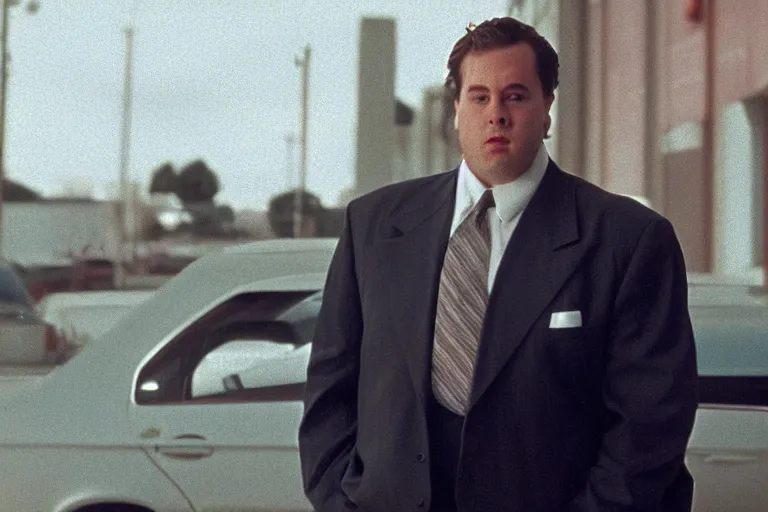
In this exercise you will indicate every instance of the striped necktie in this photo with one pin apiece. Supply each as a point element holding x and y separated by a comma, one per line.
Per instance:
<point>461,303</point>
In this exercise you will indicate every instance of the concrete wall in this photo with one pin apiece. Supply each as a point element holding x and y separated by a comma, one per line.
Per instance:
<point>685,202</point>
<point>671,110</point>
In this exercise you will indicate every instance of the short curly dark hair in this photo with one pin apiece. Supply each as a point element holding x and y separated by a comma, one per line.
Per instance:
<point>500,33</point>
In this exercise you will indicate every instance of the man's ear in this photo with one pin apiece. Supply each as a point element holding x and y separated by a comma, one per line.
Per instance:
<point>548,120</point>
<point>456,114</point>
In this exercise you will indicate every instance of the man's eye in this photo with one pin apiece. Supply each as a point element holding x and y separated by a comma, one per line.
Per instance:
<point>480,99</point>
<point>515,98</point>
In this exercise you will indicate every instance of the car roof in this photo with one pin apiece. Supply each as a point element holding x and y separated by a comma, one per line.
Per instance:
<point>266,266</point>
<point>280,245</point>
<point>94,298</point>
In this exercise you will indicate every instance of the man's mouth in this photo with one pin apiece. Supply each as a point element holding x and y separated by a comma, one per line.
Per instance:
<point>497,140</point>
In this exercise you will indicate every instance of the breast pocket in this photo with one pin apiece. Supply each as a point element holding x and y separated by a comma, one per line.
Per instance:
<point>564,353</point>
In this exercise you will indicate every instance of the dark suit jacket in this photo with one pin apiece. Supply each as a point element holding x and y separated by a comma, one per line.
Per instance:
<point>594,418</point>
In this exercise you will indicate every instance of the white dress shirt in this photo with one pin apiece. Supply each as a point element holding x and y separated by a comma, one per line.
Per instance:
<point>510,198</point>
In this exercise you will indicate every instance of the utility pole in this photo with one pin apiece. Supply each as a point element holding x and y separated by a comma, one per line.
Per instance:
<point>290,143</point>
<point>3,103</point>
<point>32,8</point>
<point>297,212</point>
<point>125,149</point>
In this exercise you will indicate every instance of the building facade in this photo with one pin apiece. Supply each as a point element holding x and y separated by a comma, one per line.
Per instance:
<point>667,99</point>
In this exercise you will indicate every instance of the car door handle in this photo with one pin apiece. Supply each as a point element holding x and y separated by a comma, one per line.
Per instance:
<point>186,452</point>
<point>730,459</point>
<point>196,437</point>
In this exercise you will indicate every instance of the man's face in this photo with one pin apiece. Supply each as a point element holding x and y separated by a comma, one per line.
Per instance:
<point>501,112</point>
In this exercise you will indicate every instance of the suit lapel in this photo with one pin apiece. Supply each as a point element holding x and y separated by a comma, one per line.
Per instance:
<point>543,252</point>
<point>412,256</point>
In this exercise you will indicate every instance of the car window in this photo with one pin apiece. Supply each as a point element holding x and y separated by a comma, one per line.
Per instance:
<point>732,354</point>
<point>253,371</point>
<point>303,317</point>
<point>235,335</point>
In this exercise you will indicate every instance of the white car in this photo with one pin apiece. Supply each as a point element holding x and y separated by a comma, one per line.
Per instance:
<point>192,401</point>
<point>123,423</point>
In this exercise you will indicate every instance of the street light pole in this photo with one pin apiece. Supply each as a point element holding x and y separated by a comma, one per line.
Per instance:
<point>297,211</point>
<point>125,150</point>
<point>32,8</point>
<point>3,102</point>
<point>290,141</point>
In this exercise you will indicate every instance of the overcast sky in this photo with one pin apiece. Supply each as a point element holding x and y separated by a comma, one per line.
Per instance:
<point>213,79</point>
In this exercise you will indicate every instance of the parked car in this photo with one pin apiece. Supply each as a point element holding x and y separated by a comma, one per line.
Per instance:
<point>728,450</point>
<point>193,400</point>
<point>126,421</point>
<point>24,337</point>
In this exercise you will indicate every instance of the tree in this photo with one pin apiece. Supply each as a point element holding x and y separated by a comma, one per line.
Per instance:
<point>164,180</point>
<point>197,183</point>
<point>282,207</point>
<point>196,186</point>
<point>225,214</point>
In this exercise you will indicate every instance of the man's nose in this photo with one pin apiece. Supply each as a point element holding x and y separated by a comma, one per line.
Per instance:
<point>500,120</point>
<point>499,115</point>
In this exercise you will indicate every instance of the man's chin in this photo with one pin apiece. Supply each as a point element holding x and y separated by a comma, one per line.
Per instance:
<point>499,170</point>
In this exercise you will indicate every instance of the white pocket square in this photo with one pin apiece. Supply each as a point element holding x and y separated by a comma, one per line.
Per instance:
<point>565,320</point>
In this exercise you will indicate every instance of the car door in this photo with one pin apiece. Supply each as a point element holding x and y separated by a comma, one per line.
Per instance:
<point>728,458</point>
<point>228,456</point>
<point>228,447</point>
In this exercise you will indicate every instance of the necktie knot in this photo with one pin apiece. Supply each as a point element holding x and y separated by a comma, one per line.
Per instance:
<point>485,202</point>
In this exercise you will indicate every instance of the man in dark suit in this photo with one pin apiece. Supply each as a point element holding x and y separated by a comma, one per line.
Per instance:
<point>505,336</point>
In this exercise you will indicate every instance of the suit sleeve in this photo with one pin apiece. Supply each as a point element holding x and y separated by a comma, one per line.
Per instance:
<point>329,427</point>
<point>650,386</point>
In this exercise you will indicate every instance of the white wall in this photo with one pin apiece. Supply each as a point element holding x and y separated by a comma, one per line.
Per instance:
<point>48,233</point>
<point>544,16</point>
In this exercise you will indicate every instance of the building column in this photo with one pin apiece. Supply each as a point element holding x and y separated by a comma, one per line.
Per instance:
<point>739,182</point>
<point>376,131</point>
<point>571,104</point>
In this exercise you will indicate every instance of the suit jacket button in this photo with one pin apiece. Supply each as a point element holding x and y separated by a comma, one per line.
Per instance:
<point>421,457</point>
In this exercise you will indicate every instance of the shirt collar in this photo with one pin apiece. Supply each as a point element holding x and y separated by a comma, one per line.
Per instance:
<point>511,198</point>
